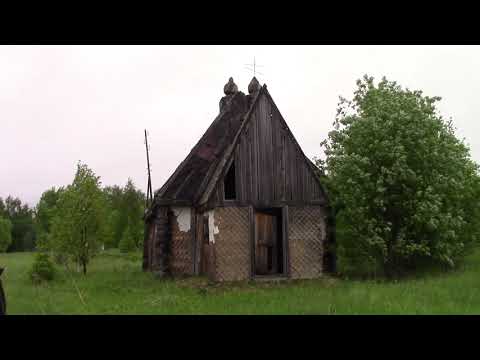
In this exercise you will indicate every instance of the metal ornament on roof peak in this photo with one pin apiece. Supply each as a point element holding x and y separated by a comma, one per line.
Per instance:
<point>230,88</point>
<point>254,86</point>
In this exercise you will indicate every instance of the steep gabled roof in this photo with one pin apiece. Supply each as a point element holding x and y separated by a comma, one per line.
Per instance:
<point>191,175</point>
<point>225,161</point>
<point>195,178</point>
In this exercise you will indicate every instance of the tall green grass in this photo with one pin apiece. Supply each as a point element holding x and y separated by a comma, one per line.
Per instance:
<point>115,284</point>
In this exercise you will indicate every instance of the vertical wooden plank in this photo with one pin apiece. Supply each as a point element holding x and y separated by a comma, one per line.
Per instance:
<point>283,174</point>
<point>309,187</point>
<point>307,183</point>
<point>246,156</point>
<point>295,175</point>
<point>257,149</point>
<point>266,151</point>
<point>248,175</point>
<point>239,158</point>
<point>291,169</point>
<point>238,172</point>
<point>252,159</point>
<point>246,160</point>
<point>286,241</point>
<point>261,149</point>
<point>288,167</point>
<point>301,169</point>
<point>313,187</point>
<point>251,215</point>
<point>278,157</point>
<point>271,160</point>
<point>275,245</point>
<point>243,152</point>
<point>266,154</point>
<point>298,173</point>
<point>274,177</point>
<point>256,156</point>
<point>194,239</point>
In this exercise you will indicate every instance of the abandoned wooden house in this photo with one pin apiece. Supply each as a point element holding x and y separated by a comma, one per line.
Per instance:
<point>246,203</point>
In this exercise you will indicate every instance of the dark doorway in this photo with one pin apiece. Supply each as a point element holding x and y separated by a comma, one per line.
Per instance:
<point>268,242</point>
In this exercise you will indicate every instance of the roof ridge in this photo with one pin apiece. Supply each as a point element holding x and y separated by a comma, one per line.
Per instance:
<point>229,152</point>
<point>210,181</point>
<point>224,110</point>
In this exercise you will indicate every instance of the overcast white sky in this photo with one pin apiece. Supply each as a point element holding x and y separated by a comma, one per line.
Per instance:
<point>61,104</point>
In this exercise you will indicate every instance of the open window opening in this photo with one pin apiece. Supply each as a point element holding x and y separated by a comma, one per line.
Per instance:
<point>229,183</point>
<point>269,252</point>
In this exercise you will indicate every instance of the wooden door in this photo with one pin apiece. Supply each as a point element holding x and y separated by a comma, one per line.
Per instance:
<point>265,244</point>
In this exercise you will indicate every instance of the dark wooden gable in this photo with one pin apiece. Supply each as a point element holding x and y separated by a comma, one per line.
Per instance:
<point>270,166</point>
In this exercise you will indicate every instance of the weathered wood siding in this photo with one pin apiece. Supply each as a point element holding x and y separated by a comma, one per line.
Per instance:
<point>269,167</point>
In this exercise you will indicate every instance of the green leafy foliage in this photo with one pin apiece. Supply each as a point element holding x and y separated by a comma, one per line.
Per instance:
<point>32,228</point>
<point>128,241</point>
<point>5,234</point>
<point>21,217</point>
<point>134,207</point>
<point>404,185</point>
<point>125,207</point>
<point>76,230</point>
<point>44,213</point>
<point>42,268</point>
<point>116,216</point>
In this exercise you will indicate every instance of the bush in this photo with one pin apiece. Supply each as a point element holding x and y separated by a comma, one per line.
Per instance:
<point>406,187</point>
<point>42,269</point>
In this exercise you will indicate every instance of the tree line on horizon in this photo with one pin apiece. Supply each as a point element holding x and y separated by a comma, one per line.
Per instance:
<point>115,219</point>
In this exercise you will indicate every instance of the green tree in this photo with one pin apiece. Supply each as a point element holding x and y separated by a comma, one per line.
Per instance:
<point>403,185</point>
<point>5,234</point>
<point>127,242</point>
<point>44,214</point>
<point>42,268</point>
<point>116,216</point>
<point>21,217</point>
<point>112,217</point>
<point>125,206</point>
<point>76,231</point>
<point>134,205</point>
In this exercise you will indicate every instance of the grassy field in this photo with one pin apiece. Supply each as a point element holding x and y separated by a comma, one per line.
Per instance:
<point>115,284</point>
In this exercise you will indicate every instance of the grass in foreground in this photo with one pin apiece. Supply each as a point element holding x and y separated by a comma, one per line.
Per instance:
<point>115,284</point>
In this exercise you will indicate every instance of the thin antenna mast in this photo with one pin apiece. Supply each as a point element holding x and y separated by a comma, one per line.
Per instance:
<point>253,67</point>
<point>149,185</point>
